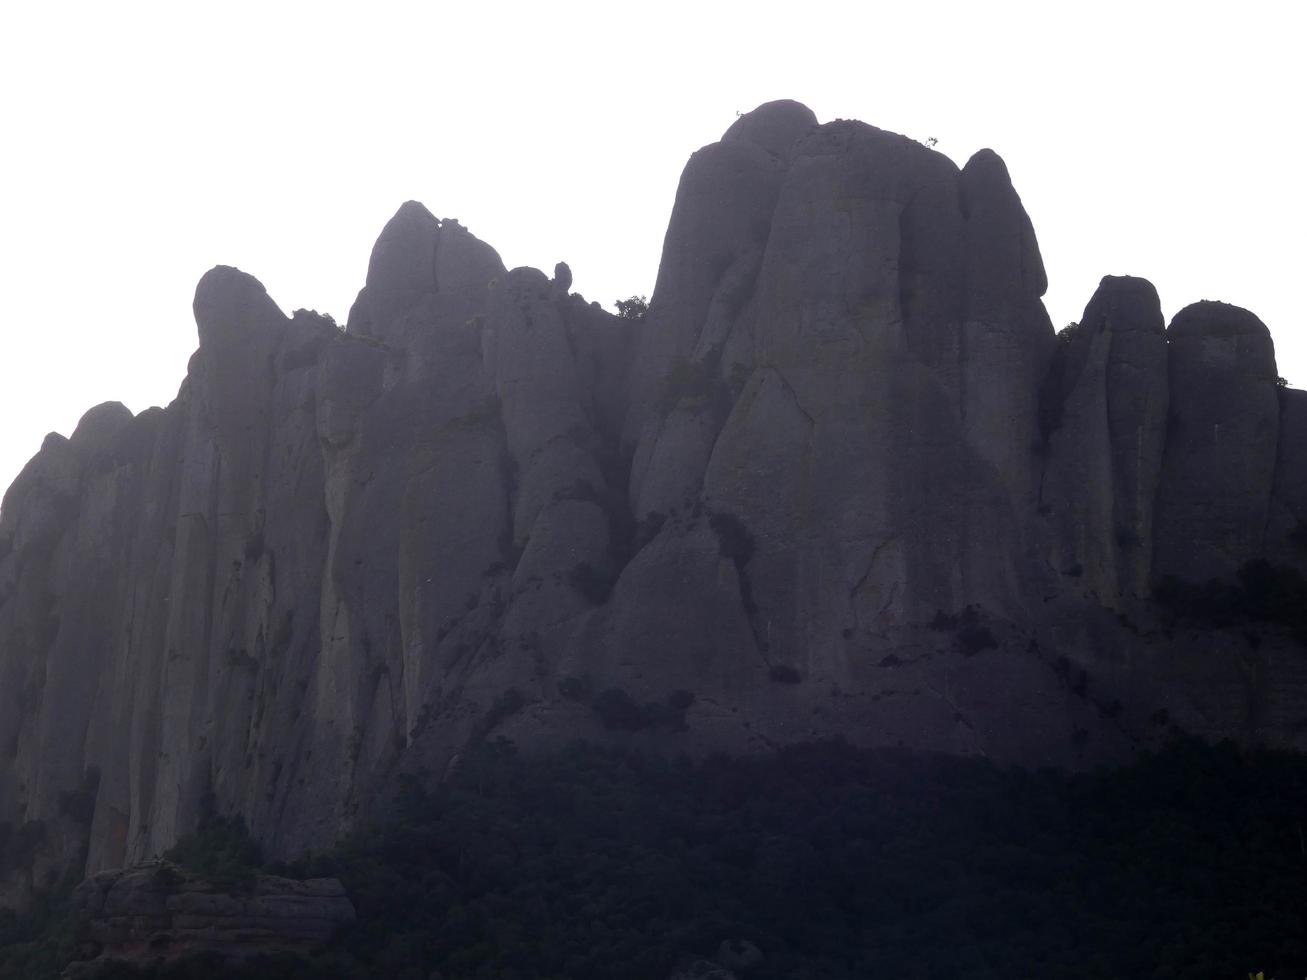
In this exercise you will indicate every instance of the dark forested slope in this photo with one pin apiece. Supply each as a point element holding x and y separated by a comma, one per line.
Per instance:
<point>834,862</point>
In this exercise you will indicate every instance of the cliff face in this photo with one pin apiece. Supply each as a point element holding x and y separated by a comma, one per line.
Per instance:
<point>843,479</point>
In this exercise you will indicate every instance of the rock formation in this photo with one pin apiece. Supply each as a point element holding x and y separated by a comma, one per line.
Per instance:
<point>159,913</point>
<point>842,479</point>
<point>1222,442</point>
<point>1106,416</point>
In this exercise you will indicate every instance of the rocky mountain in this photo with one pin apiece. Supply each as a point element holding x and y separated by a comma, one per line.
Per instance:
<point>842,479</point>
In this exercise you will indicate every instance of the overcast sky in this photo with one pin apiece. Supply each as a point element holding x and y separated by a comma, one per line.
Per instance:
<point>144,143</point>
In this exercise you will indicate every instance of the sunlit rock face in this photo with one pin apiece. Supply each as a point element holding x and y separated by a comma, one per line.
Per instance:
<point>842,480</point>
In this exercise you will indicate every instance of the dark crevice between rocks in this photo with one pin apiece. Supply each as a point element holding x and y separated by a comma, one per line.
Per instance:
<point>734,541</point>
<point>614,500</point>
<point>595,582</point>
<point>1056,386</point>
<point>1051,402</point>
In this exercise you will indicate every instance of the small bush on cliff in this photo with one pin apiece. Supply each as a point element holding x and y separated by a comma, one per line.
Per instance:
<point>686,380</point>
<point>221,850</point>
<point>632,308</point>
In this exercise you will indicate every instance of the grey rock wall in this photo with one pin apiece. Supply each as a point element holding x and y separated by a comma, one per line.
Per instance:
<point>841,480</point>
<point>1106,439</point>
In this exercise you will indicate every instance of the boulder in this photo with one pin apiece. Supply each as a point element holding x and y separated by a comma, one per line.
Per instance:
<point>155,914</point>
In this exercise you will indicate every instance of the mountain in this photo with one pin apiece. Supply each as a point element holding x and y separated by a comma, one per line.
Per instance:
<point>842,479</point>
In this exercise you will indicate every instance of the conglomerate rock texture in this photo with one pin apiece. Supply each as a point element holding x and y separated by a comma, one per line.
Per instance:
<point>842,479</point>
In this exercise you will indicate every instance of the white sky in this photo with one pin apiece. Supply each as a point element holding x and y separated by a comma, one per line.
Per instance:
<point>142,143</point>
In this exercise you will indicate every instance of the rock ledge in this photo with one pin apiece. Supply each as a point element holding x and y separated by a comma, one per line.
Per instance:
<point>159,912</point>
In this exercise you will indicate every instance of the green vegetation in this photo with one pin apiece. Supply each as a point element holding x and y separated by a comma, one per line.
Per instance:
<point>220,850</point>
<point>837,863</point>
<point>1261,593</point>
<point>632,308</point>
<point>38,944</point>
<point>687,380</point>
